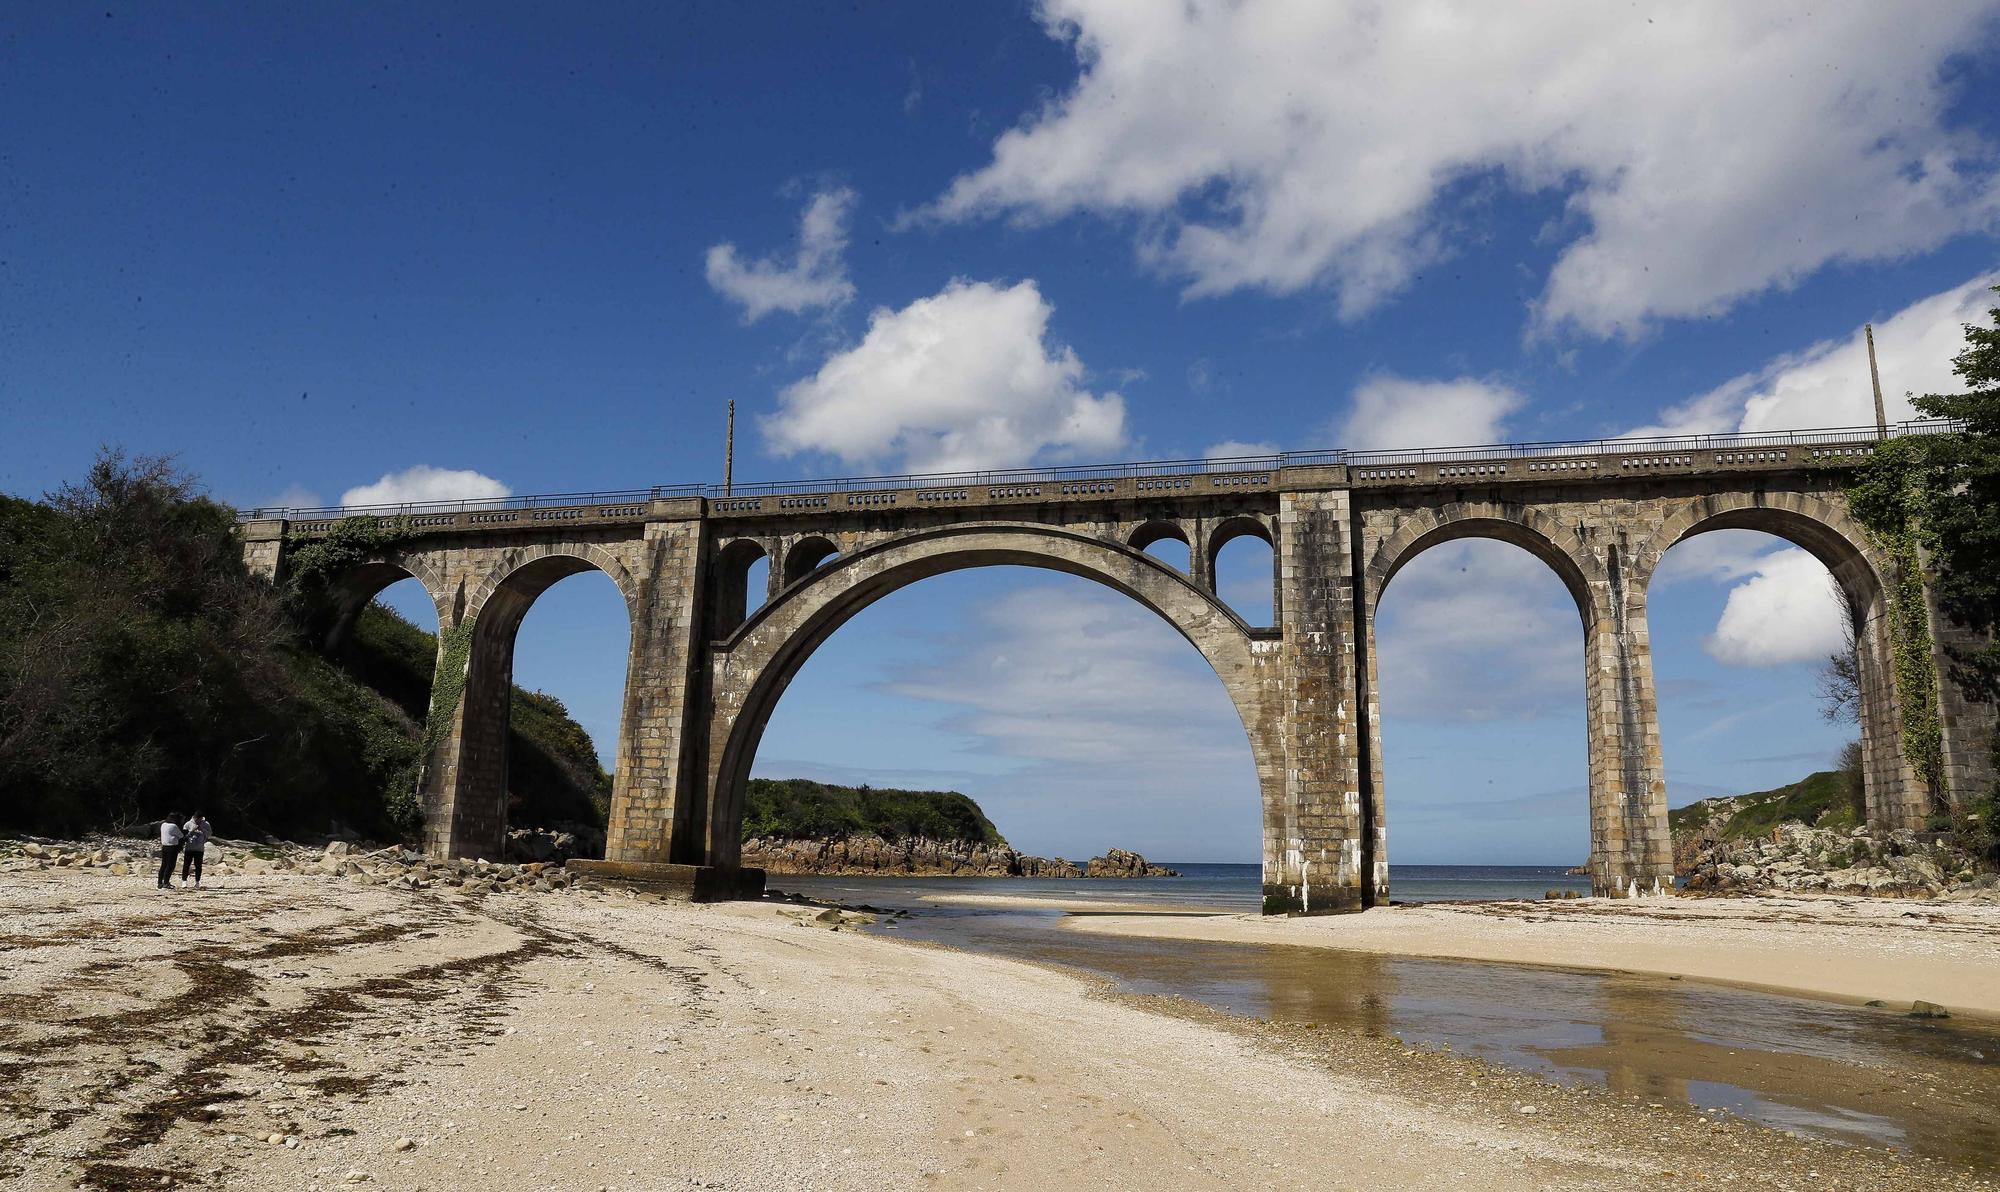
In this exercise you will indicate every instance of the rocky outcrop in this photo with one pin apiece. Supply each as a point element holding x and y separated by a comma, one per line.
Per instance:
<point>1049,867</point>
<point>1119,863</point>
<point>1795,859</point>
<point>918,856</point>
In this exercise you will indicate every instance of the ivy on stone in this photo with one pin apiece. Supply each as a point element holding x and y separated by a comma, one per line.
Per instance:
<point>320,560</point>
<point>447,692</point>
<point>1932,502</point>
<point>1890,497</point>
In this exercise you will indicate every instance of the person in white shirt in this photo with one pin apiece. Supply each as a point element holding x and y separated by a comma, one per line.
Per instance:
<point>195,843</point>
<point>170,848</point>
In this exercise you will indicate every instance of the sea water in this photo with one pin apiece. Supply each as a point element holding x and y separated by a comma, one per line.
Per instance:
<point>1206,886</point>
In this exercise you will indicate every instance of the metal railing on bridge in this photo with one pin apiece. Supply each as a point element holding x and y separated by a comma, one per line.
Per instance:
<point>1174,467</point>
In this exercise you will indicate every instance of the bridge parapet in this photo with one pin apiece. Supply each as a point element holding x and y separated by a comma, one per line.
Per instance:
<point>1168,480</point>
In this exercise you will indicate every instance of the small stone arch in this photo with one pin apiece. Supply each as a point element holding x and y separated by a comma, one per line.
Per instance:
<point>753,667</point>
<point>1228,530</point>
<point>1819,526</point>
<point>1154,531</point>
<point>730,601</point>
<point>1627,797</point>
<point>1158,529</point>
<point>361,585</point>
<point>532,570</point>
<point>1893,792</point>
<point>466,779</point>
<point>803,556</point>
<point>1529,529</point>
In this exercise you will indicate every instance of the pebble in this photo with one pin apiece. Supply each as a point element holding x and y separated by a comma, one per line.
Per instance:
<point>404,1144</point>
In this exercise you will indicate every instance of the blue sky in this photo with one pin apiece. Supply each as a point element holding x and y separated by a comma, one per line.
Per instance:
<point>473,249</point>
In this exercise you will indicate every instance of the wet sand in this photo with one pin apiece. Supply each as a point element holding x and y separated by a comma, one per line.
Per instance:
<point>1858,1075</point>
<point>430,1039</point>
<point>1851,949</point>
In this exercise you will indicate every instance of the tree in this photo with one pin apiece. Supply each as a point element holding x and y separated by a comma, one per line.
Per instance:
<point>1963,517</point>
<point>1840,675</point>
<point>1950,486</point>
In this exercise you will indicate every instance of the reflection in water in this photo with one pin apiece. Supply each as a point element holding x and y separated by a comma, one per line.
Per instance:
<point>1819,1068</point>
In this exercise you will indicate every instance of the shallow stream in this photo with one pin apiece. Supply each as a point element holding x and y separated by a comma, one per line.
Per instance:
<point>1857,1075</point>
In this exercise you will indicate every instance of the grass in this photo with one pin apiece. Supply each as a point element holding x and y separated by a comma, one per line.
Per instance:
<point>1821,800</point>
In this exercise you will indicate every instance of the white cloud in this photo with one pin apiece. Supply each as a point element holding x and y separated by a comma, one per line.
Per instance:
<point>1390,412</point>
<point>1719,556</point>
<point>1787,613</point>
<point>963,379</point>
<point>1113,729</point>
<point>1707,151</point>
<point>1237,448</point>
<point>1478,630</point>
<point>1827,383</point>
<point>817,277</point>
<point>295,496</point>
<point>423,483</point>
<point>1073,675</point>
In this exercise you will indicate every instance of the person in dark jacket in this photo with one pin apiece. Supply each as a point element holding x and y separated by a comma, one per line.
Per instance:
<point>170,848</point>
<point>194,843</point>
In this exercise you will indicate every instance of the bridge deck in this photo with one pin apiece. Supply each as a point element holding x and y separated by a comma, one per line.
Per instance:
<point>1166,480</point>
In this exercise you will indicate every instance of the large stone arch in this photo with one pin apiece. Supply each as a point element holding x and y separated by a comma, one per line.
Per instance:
<point>1824,527</point>
<point>465,786</point>
<point>751,669</point>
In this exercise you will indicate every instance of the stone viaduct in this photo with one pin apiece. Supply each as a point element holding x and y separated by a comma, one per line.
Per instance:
<point>708,661</point>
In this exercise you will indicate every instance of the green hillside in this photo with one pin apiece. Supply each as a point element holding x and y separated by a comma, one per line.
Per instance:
<point>798,808</point>
<point>1822,800</point>
<point>553,772</point>
<point>143,671</point>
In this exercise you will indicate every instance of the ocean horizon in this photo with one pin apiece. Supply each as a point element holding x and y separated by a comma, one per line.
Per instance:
<point>1232,886</point>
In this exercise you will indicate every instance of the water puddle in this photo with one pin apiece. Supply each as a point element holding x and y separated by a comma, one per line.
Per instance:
<point>1859,1076</point>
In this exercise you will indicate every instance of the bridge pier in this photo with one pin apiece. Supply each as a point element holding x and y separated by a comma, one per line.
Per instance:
<point>658,781</point>
<point>1630,842</point>
<point>1316,830</point>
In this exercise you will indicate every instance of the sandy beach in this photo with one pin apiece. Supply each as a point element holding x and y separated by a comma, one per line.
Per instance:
<point>301,1031</point>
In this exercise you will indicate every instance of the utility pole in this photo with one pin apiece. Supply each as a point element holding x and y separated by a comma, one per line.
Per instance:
<point>729,441</point>
<point>1875,376</point>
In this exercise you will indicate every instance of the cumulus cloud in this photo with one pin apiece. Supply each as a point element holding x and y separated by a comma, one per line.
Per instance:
<point>964,379</point>
<point>295,496</point>
<point>1781,609</point>
<point>1786,613</point>
<point>1827,383</point>
<point>1073,675</point>
<point>1113,728</point>
<point>816,276</point>
<point>423,483</point>
<point>1390,411</point>
<point>1706,151</point>
<point>1483,608</point>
